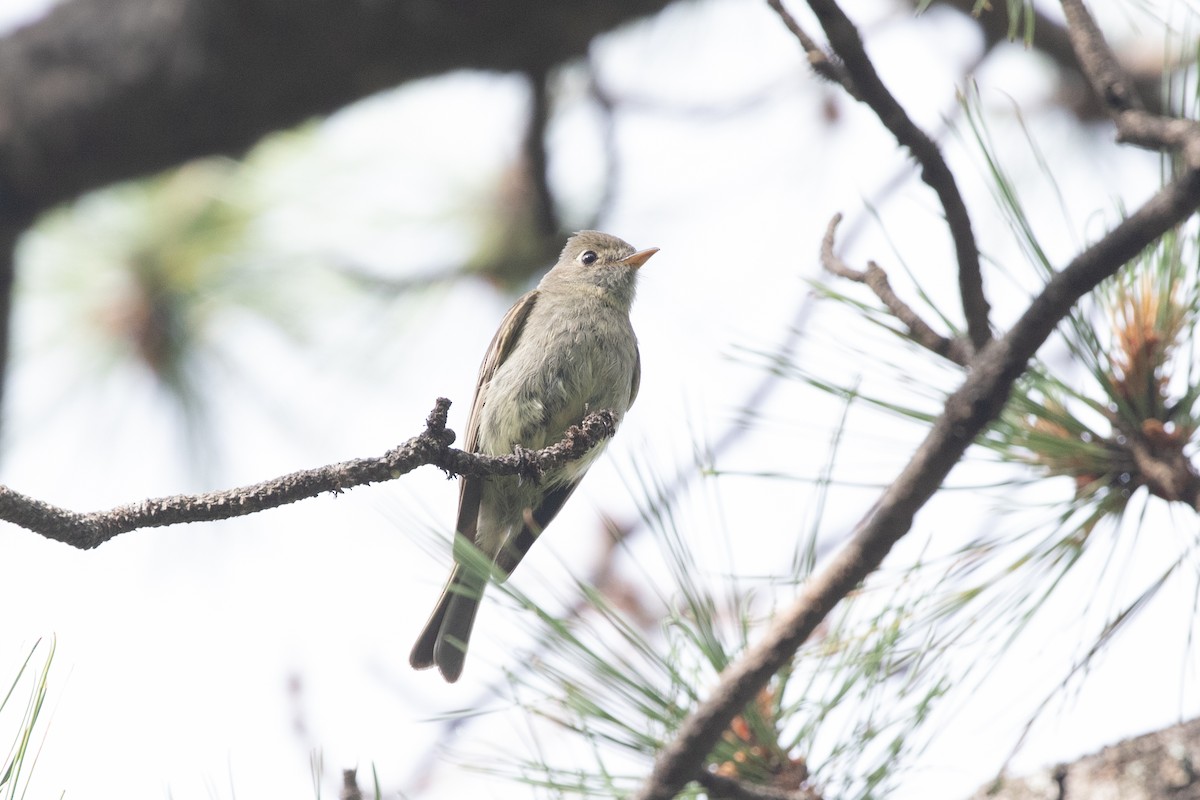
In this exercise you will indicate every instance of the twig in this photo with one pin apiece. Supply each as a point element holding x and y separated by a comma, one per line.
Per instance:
<point>818,59</point>
<point>976,403</point>
<point>848,46</point>
<point>876,280</point>
<point>88,530</point>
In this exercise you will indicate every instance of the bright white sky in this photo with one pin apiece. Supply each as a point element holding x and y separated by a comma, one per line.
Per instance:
<point>209,661</point>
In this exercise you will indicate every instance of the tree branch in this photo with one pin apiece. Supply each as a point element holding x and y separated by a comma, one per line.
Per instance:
<point>847,44</point>
<point>1161,464</point>
<point>1162,764</point>
<point>432,446</point>
<point>107,90</point>
<point>876,280</point>
<point>1097,60</point>
<point>975,404</point>
<point>818,59</point>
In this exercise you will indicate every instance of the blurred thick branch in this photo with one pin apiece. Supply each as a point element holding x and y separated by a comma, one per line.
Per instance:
<point>1109,81</point>
<point>1162,764</point>
<point>975,404</point>
<point>1161,465</point>
<point>1050,37</point>
<point>100,91</point>
<point>432,447</point>
<point>107,90</point>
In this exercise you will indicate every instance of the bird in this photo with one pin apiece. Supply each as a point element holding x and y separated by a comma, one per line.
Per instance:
<point>563,350</point>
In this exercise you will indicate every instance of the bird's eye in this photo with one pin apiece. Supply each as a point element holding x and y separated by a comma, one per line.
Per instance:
<point>588,258</point>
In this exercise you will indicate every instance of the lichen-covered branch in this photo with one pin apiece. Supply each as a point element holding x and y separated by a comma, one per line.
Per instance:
<point>431,447</point>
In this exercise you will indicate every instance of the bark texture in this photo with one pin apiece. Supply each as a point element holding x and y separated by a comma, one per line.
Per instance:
<point>1158,765</point>
<point>103,90</point>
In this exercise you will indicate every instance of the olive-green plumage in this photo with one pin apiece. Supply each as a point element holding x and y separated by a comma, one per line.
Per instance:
<point>563,350</point>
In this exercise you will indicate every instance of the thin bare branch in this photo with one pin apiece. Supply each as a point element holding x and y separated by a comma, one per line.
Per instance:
<point>846,43</point>
<point>432,447</point>
<point>818,59</point>
<point>976,403</point>
<point>876,280</point>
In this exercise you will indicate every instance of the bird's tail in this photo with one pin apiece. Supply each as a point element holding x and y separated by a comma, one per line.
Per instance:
<point>444,641</point>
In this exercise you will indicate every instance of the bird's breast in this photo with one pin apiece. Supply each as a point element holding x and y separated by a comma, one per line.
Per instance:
<point>568,363</point>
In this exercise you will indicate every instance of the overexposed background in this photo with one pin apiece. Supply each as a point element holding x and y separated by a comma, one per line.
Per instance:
<point>215,660</point>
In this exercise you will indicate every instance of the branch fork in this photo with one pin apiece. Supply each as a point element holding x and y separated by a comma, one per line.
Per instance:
<point>995,364</point>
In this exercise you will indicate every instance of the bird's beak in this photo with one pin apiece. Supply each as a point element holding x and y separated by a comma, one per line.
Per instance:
<point>639,258</point>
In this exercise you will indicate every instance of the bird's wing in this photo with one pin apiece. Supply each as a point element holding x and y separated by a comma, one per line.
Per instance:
<point>470,490</point>
<point>637,375</point>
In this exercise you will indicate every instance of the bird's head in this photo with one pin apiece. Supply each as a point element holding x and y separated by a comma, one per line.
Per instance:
<point>597,260</point>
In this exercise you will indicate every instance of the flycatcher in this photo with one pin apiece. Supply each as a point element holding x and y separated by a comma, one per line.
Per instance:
<point>563,350</point>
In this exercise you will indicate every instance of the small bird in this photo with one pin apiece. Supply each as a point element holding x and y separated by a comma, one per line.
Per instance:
<point>563,350</point>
